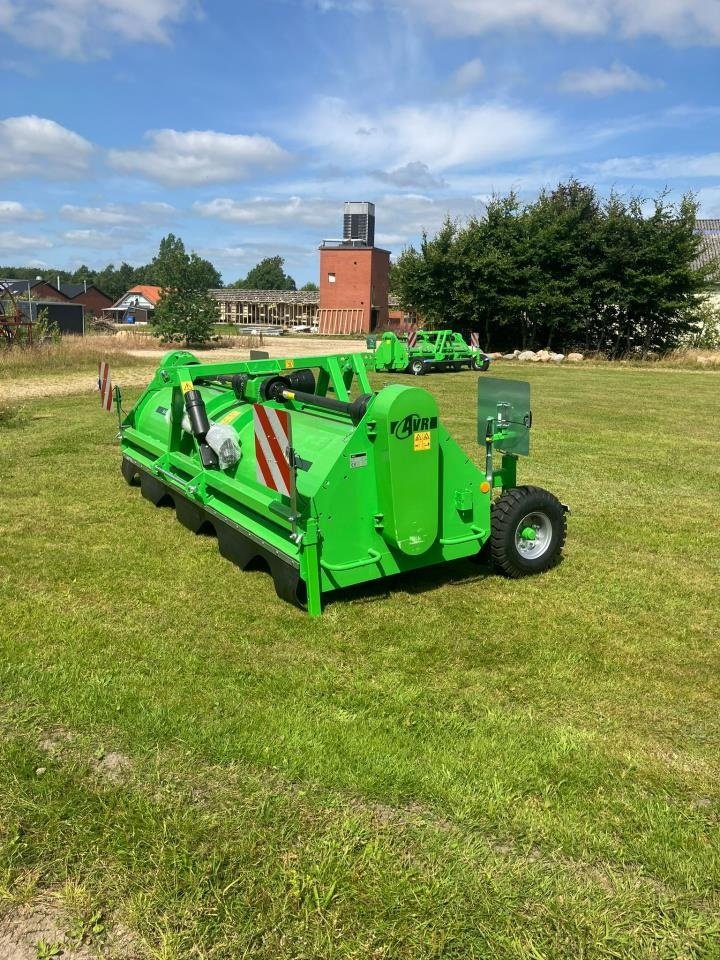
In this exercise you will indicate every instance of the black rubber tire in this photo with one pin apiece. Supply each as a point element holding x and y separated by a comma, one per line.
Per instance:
<point>417,367</point>
<point>481,365</point>
<point>507,512</point>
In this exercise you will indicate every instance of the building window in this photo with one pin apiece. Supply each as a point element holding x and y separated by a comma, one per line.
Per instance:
<point>331,278</point>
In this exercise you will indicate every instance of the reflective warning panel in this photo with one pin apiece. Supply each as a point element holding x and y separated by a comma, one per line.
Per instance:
<point>507,404</point>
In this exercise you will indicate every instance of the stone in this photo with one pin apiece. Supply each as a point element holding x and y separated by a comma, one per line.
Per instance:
<point>557,357</point>
<point>543,356</point>
<point>528,355</point>
<point>575,357</point>
<point>495,356</point>
<point>509,356</point>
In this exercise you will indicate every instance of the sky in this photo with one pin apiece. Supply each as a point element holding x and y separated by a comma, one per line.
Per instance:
<point>243,126</point>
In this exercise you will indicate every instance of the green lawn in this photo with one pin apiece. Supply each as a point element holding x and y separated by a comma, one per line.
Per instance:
<point>452,765</point>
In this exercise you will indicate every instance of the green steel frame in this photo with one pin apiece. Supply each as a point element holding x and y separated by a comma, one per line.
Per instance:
<point>381,487</point>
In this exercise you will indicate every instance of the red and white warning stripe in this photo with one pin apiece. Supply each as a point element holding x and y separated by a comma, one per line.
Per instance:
<point>475,340</point>
<point>412,339</point>
<point>272,448</point>
<point>105,385</point>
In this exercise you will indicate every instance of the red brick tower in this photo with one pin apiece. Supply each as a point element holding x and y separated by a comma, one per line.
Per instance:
<point>354,276</point>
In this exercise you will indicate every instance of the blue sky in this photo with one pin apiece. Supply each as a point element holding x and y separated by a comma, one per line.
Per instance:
<point>243,126</point>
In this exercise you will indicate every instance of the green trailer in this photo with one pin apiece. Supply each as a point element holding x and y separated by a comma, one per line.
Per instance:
<point>424,350</point>
<point>299,464</point>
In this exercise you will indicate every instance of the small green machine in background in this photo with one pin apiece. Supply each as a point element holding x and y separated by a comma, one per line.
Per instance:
<point>299,464</point>
<point>424,350</point>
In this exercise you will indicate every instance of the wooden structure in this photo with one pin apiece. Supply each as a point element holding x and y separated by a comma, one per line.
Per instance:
<point>266,308</point>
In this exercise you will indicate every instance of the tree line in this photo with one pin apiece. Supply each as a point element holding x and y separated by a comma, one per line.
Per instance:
<point>567,270</point>
<point>268,274</point>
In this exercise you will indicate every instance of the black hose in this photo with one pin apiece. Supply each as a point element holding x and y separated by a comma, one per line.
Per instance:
<point>355,409</point>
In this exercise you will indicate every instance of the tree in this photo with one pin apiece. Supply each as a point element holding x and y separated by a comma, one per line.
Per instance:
<point>185,311</point>
<point>172,260</point>
<point>563,271</point>
<point>425,279</point>
<point>310,286</point>
<point>267,275</point>
<point>115,281</point>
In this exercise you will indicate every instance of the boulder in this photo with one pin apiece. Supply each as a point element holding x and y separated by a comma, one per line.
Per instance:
<point>543,356</point>
<point>557,357</point>
<point>528,355</point>
<point>575,357</point>
<point>495,356</point>
<point>509,356</point>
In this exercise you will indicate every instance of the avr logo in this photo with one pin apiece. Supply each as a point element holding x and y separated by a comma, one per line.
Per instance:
<point>402,429</point>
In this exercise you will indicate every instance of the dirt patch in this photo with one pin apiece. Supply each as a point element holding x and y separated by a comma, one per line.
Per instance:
<point>113,766</point>
<point>52,742</point>
<point>25,388</point>
<point>40,929</point>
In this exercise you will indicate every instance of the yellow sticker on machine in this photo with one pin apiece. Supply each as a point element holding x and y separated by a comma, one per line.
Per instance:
<point>186,386</point>
<point>289,364</point>
<point>229,417</point>
<point>421,440</point>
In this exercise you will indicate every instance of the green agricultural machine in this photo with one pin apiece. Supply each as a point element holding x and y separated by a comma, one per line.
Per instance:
<point>299,465</point>
<point>425,350</point>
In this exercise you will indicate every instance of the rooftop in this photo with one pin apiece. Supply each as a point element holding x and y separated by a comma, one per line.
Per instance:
<point>709,250</point>
<point>75,289</point>
<point>707,226</point>
<point>238,295</point>
<point>22,286</point>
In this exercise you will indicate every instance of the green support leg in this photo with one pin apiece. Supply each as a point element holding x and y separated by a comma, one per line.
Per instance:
<point>509,471</point>
<point>312,568</point>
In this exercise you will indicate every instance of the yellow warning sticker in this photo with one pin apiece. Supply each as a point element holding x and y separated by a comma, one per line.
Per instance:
<point>421,440</point>
<point>289,364</point>
<point>229,417</point>
<point>186,386</point>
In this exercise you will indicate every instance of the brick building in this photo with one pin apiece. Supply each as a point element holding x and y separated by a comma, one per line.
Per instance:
<point>354,287</point>
<point>91,297</point>
<point>38,289</point>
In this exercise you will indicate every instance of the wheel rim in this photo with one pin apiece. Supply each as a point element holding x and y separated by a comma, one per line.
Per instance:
<point>533,535</point>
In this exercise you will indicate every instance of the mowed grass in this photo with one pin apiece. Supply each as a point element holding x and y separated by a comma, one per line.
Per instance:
<point>450,765</point>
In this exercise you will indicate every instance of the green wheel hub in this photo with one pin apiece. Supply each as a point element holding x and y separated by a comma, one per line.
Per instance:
<point>533,535</point>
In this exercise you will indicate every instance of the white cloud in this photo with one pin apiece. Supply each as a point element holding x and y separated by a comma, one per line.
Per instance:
<point>440,135</point>
<point>86,29</point>
<point>413,175</point>
<point>195,157</point>
<point>401,218</point>
<point>709,200</point>
<point>117,214</point>
<point>468,75</point>
<point>32,146</point>
<point>11,243</point>
<point>678,21</point>
<point>669,167</point>
<point>600,82</point>
<point>101,239</point>
<point>268,210</point>
<point>11,210</point>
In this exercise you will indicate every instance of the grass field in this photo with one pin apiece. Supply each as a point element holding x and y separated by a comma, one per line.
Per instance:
<point>452,765</point>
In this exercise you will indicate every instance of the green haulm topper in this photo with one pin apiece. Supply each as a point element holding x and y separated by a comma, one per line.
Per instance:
<point>299,464</point>
<point>424,350</point>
